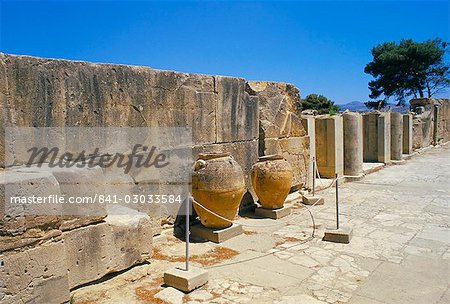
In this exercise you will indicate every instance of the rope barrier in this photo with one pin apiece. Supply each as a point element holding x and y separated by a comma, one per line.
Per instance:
<point>280,223</point>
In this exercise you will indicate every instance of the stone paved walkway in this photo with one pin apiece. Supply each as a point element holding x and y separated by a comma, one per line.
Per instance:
<point>399,253</point>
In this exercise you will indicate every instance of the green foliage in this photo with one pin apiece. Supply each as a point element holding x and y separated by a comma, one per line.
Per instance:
<point>376,104</point>
<point>320,103</point>
<point>408,69</point>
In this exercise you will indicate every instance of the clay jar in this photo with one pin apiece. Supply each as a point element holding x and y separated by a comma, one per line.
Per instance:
<point>271,180</point>
<point>218,184</point>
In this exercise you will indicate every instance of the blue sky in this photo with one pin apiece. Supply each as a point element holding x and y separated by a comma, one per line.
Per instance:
<point>320,46</point>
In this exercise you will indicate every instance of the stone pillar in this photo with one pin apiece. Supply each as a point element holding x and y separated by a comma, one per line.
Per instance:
<point>370,137</point>
<point>436,115</point>
<point>353,143</point>
<point>407,134</point>
<point>329,146</point>
<point>308,123</point>
<point>384,138</point>
<point>376,137</point>
<point>396,136</point>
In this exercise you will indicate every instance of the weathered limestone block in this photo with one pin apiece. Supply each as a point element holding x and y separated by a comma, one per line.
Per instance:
<point>423,124</point>
<point>278,113</point>
<point>59,93</point>
<point>435,119</point>
<point>3,108</point>
<point>35,275</point>
<point>296,151</point>
<point>279,120</point>
<point>407,134</point>
<point>245,153</point>
<point>237,111</point>
<point>353,143</point>
<point>96,250</point>
<point>329,145</point>
<point>376,137</point>
<point>384,138</point>
<point>17,218</point>
<point>309,125</point>
<point>444,120</point>
<point>31,237</point>
<point>78,183</point>
<point>121,184</point>
<point>417,133</point>
<point>396,136</point>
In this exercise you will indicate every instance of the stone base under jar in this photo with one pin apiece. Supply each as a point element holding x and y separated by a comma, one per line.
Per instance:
<point>273,213</point>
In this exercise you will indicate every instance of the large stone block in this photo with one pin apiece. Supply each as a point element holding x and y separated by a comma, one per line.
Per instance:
<point>237,111</point>
<point>278,112</point>
<point>423,123</point>
<point>434,114</point>
<point>309,125</point>
<point>35,275</point>
<point>77,183</point>
<point>407,133</point>
<point>376,137</point>
<point>417,133</point>
<point>16,218</point>
<point>384,138</point>
<point>61,93</point>
<point>97,250</point>
<point>295,150</point>
<point>3,108</point>
<point>353,144</point>
<point>444,121</point>
<point>329,146</point>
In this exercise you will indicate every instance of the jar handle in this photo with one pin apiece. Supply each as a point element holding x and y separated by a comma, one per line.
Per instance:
<point>199,164</point>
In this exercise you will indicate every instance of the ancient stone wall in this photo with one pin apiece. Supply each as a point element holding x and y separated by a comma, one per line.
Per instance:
<point>431,124</point>
<point>280,128</point>
<point>443,120</point>
<point>225,114</point>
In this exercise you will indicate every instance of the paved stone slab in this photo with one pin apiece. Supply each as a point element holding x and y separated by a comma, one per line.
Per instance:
<point>369,168</point>
<point>393,283</point>
<point>354,178</point>
<point>341,235</point>
<point>273,213</point>
<point>312,200</point>
<point>216,235</point>
<point>186,280</point>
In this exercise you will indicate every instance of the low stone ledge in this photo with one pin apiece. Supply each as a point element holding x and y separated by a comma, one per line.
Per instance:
<point>46,272</point>
<point>37,275</point>
<point>97,250</point>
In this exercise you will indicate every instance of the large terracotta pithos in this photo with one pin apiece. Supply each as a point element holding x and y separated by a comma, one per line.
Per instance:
<point>218,184</point>
<point>271,180</point>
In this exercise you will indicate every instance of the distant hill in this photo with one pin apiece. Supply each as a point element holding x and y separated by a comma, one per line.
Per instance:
<point>358,106</point>
<point>354,106</point>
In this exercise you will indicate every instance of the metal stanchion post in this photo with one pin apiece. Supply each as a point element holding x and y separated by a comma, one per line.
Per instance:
<point>340,234</point>
<point>313,199</point>
<point>192,277</point>
<point>337,202</point>
<point>314,176</point>
<point>188,203</point>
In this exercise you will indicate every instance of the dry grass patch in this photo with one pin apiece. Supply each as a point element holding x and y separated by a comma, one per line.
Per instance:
<point>211,257</point>
<point>286,239</point>
<point>147,293</point>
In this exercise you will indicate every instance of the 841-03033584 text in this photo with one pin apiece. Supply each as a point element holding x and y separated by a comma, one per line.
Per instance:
<point>140,199</point>
<point>99,198</point>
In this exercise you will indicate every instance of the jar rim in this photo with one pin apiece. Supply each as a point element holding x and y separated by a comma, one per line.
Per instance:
<point>270,157</point>
<point>213,155</point>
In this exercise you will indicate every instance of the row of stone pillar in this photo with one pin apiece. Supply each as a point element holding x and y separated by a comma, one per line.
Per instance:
<point>341,143</point>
